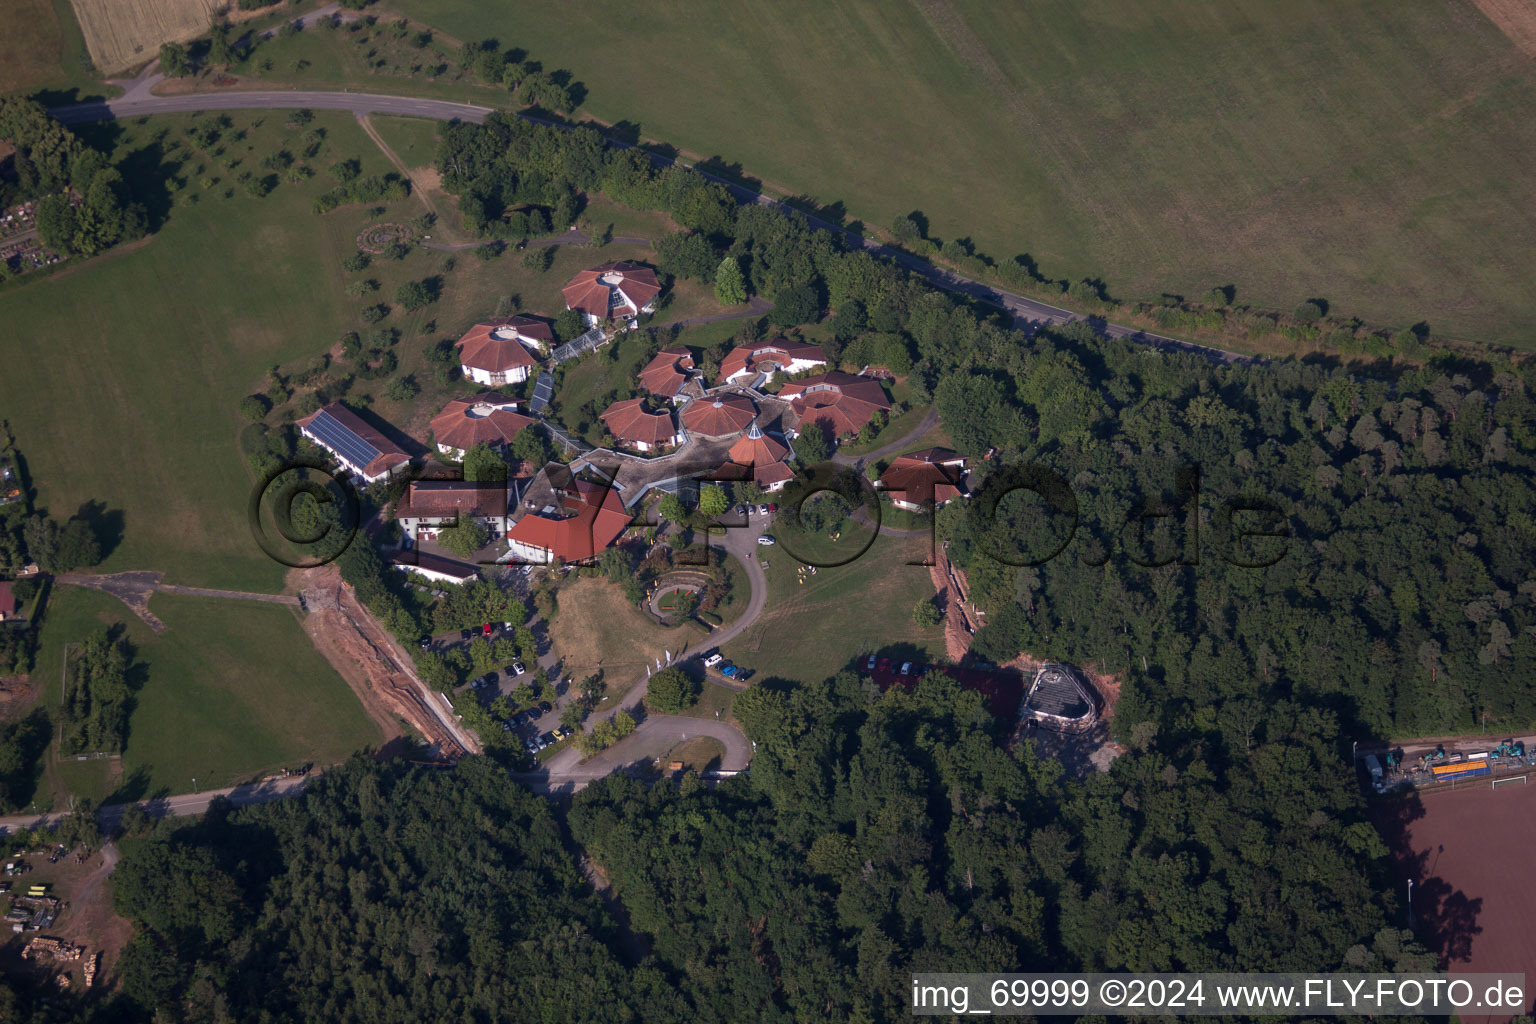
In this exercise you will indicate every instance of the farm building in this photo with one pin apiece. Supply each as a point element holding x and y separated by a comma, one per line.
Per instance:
<point>430,506</point>
<point>497,351</point>
<point>719,416</point>
<point>361,449</point>
<point>765,359</point>
<point>1059,699</point>
<point>665,375</point>
<point>488,418</point>
<point>936,475</point>
<point>634,426</point>
<point>843,402</point>
<point>621,290</point>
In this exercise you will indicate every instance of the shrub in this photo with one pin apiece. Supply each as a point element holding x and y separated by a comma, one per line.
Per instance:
<point>253,407</point>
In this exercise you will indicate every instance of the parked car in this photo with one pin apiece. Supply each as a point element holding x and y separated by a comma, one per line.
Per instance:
<point>766,541</point>
<point>535,713</point>
<point>465,634</point>
<point>546,707</point>
<point>871,666</point>
<point>742,510</point>
<point>772,508</point>
<point>487,629</point>
<point>713,660</point>
<point>728,670</point>
<point>561,733</point>
<point>517,668</point>
<point>906,667</point>
<point>547,740</point>
<point>426,643</point>
<point>762,510</point>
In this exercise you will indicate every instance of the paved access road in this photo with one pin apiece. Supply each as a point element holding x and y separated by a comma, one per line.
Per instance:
<point>138,100</point>
<point>164,807</point>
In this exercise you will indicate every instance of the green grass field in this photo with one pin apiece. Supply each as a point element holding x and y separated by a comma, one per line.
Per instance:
<point>123,373</point>
<point>813,629</point>
<point>1374,154</point>
<point>41,48</point>
<point>232,690</point>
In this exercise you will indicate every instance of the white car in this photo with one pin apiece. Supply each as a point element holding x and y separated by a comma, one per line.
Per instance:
<point>906,668</point>
<point>713,660</point>
<point>762,510</point>
<point>517,668</point>
<point>766,541</point>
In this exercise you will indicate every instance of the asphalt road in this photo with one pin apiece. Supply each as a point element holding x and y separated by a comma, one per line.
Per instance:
<point>185,803</point>
<point>138,100</point>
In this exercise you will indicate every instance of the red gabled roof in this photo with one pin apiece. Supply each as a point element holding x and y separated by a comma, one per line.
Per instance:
<point>779,352</point>
<point>487,418</point>
<point>595,519</point>
<point>593,291</point>
<point>389,455</point>
<point>719,416</point>
<point>492,345</point>
<point>846,401</point>
<point>931,475</point>
<point>448,497</point>
<point>666,374</point>
<point>630,423</point>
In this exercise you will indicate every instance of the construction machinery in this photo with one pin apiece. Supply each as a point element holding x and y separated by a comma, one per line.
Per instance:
<point>1438,754</point>
<point>1510,748</point>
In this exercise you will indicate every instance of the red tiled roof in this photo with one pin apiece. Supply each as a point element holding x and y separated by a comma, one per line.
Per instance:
<point>629,423</point>
<point>599,517</point>
<point>590,290</point>
<point>931,475</point>
<point>487,418</point>
<point>390,454</point>
<point>666,374</point>
<point>718,417</point>
<point>759,456</point>
<point>843,400</point>
<point>778,352</point>
<point>492,345</point>
<point>446,497</point>
<point>7,599</point>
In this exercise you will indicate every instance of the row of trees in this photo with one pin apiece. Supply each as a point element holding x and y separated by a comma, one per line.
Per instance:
<point>94,714</point>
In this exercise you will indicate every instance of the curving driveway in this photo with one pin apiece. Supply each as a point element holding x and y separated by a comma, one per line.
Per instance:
<point>138,100</point>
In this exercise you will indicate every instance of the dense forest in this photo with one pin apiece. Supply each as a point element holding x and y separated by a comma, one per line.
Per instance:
<point>878,834</point>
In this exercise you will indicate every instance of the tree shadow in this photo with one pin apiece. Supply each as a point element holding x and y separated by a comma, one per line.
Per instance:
<point>625,133</point>
<point>105,523</point>
<point>731,171</point>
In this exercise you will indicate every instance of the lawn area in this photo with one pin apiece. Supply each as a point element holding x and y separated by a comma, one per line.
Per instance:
<point>137,409</point>
<point>41,48</point>
<point>414,139</point>
<point>698,754</point>
<point>597,628</point>
<point>1369,153</point>
<point>232,690</point>
<point>811,630</point>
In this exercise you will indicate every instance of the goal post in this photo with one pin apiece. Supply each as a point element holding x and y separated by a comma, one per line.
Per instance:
<point>1496,783</point>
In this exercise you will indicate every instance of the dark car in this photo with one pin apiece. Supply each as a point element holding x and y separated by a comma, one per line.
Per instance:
<point>426,642</point>
<point>535,713</point>
<point>546,707</point>
<point>465,634</point>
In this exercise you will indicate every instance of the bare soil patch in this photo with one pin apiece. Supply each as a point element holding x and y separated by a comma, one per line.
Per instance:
<point>86,918</point>
<point>1516,19</point>
<point>371,663</point>
<point>1468,853</point>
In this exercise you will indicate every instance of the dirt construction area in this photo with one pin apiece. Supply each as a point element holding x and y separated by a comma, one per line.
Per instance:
<point>85,919</point>
<point>1468,853</point>
<point>373,664</point>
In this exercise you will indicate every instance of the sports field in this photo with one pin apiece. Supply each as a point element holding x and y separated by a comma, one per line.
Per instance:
<point>1468,853</point>
<point>230,691</point>
<point>1374,154</point>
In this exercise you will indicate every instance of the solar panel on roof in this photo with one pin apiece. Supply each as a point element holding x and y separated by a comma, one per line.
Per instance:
<point>342,440</point>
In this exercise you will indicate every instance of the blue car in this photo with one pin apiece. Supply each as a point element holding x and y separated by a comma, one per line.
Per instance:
<point>728,670</point>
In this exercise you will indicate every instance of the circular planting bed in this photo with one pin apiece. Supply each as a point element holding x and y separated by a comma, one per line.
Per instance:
<point>378,237</point>
<point>674,594</point>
